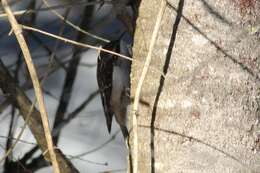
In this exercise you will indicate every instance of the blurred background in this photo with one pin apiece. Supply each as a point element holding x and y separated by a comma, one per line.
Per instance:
<point>69,86</point>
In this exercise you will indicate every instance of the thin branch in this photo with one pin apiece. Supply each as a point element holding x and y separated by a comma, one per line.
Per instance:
<point>75,42</point>
<point>57,43</point>
<point>11,125</point>
<point>19,140</point>
<point>71,75</point>
<point>19,135</point>
<point>66,40</point>
<point>8,163</point>
<point>97,148</point>
<point>16,95</point>
<point>3,106</point>
<point>73,25</point>
<point>45,75</point>
<point>50,52</point>
<point>70,4</point>
<point>27,56</point>
<point>74,113</point>
<point>140,84</point>
<point>9,141</point>
<point>88,161</point>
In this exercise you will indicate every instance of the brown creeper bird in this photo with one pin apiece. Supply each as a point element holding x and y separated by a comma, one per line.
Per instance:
<point>113,76</point>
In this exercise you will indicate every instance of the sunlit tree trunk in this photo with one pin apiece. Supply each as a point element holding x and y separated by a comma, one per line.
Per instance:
<point>204,112</point>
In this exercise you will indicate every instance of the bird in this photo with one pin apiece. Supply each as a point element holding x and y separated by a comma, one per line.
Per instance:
<point>113,78</point>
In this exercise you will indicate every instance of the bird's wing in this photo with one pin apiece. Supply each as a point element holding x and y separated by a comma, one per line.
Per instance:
<point>104,79</point>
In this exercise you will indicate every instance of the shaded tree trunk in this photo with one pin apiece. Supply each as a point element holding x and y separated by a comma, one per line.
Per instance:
<point>204,113</point>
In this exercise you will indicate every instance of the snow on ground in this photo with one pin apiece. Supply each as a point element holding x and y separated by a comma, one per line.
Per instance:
<point>87,133</point>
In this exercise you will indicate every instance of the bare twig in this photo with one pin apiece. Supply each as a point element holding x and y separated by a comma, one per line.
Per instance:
<point>27,56</point>
<point>16,95</point>
<point>45,46</point>
<point>71,75</point>
<point>11,125</point>
<point>50,62</point>
<point>75,42</point>
<point>97,148</point>
<point>140,84</point>
<point>19,135</point>
<point>98,48</point>
<point>74,113</point>
<point>4,105</point>
<point>70,4</point>
<point>57,43</point>
<point>88,161</point>
<point>9,145</point>
<point>73,25</point>
<point>19,140</point>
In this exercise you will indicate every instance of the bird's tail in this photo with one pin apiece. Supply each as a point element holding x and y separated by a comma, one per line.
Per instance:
<point>124,131</point>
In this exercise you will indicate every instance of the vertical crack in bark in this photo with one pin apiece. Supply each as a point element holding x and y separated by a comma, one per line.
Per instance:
<point>162,80</point>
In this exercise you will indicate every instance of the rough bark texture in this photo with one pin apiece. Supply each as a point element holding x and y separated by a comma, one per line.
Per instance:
<point>205,113</point>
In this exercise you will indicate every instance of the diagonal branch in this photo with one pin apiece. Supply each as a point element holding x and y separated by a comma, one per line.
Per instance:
<point>39,97</point>
<point>81,44</point>
<point>16,95</point>
<point>70,77</point>
<point>80,29</point>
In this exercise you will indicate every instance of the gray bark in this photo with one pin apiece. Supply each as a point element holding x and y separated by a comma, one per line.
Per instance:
<point>204,115</point>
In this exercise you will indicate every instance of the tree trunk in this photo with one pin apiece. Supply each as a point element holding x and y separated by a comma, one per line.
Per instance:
<point>204,112</point>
